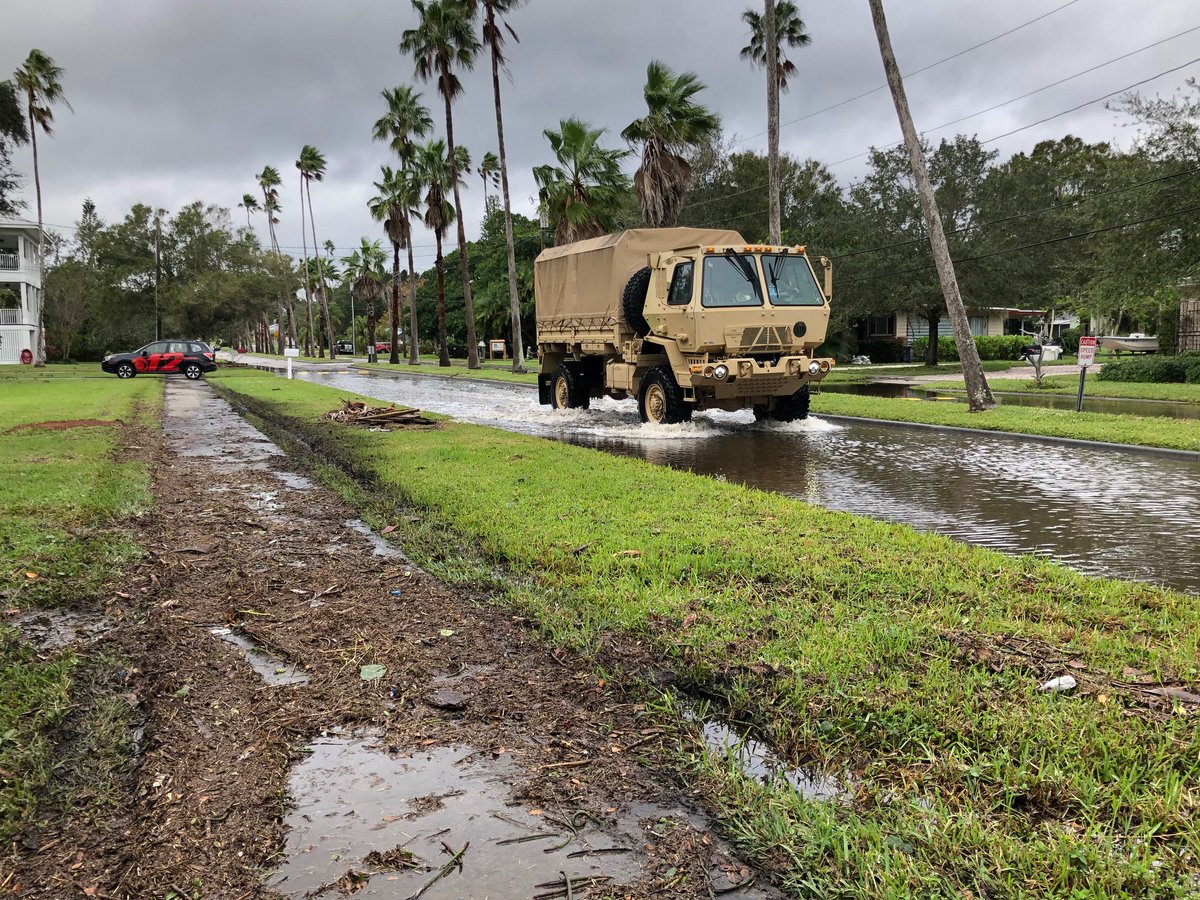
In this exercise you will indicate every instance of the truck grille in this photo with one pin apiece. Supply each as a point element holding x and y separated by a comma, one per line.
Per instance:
<point>762,337</point>
<point>762,384</point>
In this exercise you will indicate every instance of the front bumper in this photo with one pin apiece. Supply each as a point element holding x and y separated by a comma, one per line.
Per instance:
<point>754,378</point>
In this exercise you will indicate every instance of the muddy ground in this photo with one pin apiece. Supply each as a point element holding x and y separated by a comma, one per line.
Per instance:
<point>308,714</point>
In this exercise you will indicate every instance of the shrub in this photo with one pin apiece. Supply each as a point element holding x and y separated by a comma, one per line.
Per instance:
<point>1006,347</point>
<point>1070,340</point>
<point>1181,369</point>
<point>881,351</point>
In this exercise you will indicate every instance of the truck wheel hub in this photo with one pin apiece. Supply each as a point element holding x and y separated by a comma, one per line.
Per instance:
<point>656,403</point>
<point>562,392</point>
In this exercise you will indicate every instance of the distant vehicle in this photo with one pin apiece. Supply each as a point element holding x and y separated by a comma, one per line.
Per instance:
<point>188,358</point>
<point>383,346</point>
<point>682,319</point>
<point>343,347</point>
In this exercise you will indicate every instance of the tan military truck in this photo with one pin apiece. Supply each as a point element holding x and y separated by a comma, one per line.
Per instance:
<point>683,319</point>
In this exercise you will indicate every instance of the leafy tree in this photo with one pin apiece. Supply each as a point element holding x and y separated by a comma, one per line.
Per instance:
<point>582,195</point>
<point>364,271</point>
<point>789,31</point>
<point>673,127</point>
<point>312,168</point>
<point>394,205</point>
<point>39,78</point>
<point>249,204</point>
<point>269,182</point>
<point>489,172</point>
<point>442,41</point>
<point>406,120</point>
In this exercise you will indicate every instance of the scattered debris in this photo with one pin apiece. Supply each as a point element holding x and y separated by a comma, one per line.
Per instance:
<point>1059,685</point>
<point>396,858</point>
<point>355,412</point>
<point>372,671</point>
<point>451,701</point>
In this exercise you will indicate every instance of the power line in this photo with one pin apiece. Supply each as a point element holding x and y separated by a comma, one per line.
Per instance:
<point>992,108</point>
<point>980,226</point>
<point>932,65</point>
<point>1055,240</point>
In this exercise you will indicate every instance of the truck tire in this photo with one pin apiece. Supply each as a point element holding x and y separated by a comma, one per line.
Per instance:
<point>660,399</point>
<point>567,390</point>
<point>633,301</point>
<point>786,409</point>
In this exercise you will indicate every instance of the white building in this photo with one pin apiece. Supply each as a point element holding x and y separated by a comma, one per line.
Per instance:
<point>20,291</point>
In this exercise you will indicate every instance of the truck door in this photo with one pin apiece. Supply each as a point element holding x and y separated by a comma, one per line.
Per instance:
<point>678,319</point>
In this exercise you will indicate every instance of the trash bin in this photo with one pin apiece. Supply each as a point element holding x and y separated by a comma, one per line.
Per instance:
<point>906,354</point>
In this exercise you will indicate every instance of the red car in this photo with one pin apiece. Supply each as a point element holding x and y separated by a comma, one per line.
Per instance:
<point>383,346</point>
<point>189,358</point>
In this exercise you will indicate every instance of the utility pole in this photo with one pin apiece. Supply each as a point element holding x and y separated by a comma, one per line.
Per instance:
<point>979,395</point>
<point>157,270</point>
<point>771,48</point>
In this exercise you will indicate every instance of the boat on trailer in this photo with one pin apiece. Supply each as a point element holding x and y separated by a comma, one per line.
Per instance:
<point>1134,343</point>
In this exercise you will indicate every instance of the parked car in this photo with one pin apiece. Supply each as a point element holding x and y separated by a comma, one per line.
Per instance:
<point>188,358</point>
<point>383,346</point>
<point>343,347</point>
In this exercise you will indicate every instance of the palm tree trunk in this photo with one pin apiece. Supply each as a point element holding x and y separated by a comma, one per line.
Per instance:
<point>394,357</point>
<point>771,46</point>
<point>443,350</point>
<point>979,395</point>
<point>464,263</point>
<point>514,302</point>
<point>39,351</point>
<point>414,353</point>
<point>326,318</point>
<point>308,332</point>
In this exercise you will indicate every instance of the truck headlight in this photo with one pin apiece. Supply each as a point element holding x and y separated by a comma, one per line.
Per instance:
<point>814,368</point>
<point>721,372</point>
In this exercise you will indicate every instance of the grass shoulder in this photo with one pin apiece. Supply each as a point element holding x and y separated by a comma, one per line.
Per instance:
<point>1094,387</point>
<point>458,370</point>
<point>65,487</point>
<point>860,646</point>
<point>1144,431</point>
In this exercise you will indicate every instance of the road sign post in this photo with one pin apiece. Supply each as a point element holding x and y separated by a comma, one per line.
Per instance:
<point>1087,356</point>
<point>291,353</point>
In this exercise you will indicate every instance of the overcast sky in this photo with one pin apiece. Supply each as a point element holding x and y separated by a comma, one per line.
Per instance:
<point>175,102</point>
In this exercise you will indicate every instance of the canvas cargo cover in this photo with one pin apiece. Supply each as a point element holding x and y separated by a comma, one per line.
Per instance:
<point>587,278</point>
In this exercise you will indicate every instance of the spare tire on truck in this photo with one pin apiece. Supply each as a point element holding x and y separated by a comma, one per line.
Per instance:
<point>633,301</point>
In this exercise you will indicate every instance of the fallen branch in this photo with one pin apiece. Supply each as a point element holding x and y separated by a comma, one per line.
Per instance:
<point>455,860</point>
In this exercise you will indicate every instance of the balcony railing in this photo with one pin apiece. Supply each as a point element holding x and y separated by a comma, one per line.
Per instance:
<point>9,262</point>
<point>12,317</point>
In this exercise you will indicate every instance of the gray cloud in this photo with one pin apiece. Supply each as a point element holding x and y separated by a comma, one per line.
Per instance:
<point>182,101</point>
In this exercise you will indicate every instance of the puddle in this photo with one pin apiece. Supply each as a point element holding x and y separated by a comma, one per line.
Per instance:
<point>295,482</point>
<point>759,761</point>
<point>380,546</point>
<point>272,669</point>
<point>53,629</point>
<point>350,798</point>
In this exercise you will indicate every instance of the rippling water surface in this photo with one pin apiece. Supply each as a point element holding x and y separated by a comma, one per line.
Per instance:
<point>1107,512</point>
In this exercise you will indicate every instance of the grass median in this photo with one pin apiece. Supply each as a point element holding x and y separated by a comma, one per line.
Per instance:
<point>65,490</point>
<point>1093,387</point>
<point>1142,431</point>
<point>907,661</point>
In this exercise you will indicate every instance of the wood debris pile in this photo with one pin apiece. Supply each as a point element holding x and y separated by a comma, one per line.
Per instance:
<point>355,412</point>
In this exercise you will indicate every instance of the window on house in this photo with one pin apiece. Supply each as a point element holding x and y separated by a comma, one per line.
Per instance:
<point>881,326</point>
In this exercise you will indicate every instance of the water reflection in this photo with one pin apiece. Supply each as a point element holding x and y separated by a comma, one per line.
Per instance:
<point>1106,512</point>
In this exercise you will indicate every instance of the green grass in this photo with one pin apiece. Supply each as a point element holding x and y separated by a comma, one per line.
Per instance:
<point>848,373</point>
<point>1145,431</point>
<point>341,357</point>
<point>490,372</point>
<point>1094,387</point>
<point>63,496</point>
<point>842,638</point>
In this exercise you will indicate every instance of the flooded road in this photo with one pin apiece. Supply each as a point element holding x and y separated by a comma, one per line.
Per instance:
<point>1105,512</point>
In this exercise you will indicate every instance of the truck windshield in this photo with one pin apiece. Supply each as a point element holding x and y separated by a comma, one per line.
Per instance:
<point>790,281</point>
<point>730,279</point>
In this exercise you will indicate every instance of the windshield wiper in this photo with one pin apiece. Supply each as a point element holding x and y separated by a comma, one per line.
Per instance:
<point>744,266</point>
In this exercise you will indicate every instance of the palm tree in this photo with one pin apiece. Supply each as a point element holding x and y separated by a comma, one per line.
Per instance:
<point>312,168</point>
<point>489,172</point>
<point>493,39</point>
<point>779,24</point>
<point>363,270</point>
<point>250,204</point>
<point>674,125</point>
<point>406,118</point>
<point>40,78</point>
<point>442,40</point>
<point>435,172</point>
<point>269,181</point>
<point>582,195</point>
<point>394,206</point>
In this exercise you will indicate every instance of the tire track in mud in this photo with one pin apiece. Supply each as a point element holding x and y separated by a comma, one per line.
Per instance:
<point>467,730</point>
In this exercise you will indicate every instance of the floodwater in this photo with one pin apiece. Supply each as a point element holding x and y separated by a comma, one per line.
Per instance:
<point>352,797</point>
<point>1107,512</point>
<point>270,668</point>
<point>931,391</point>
